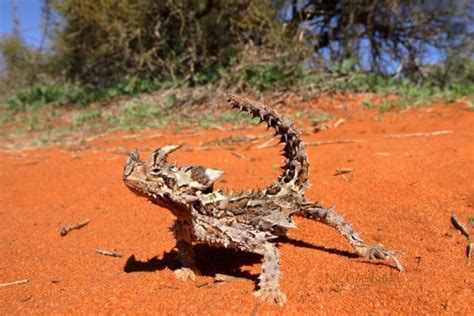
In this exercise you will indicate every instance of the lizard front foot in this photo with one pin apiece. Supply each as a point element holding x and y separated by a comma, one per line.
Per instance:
<point>377,251</point>
<point>185,274</point>
<point>271,296</point>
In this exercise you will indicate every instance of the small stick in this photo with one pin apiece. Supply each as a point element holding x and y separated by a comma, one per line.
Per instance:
<point>65,230</point>
<point>426,134</point>
<point>459,226</point>
<point>346,178</point>
<point>202,284</point>
<point>13,283</point>
<point>227,278</point>
<point>331,142</point>
<point>108,253</point>
<point>267,144</point>
<point>470,248</point>
<point>463,230</point>
<point>197,148</point>
<point>340,171</point>
<point>339,122</point>
<point>240,155</point>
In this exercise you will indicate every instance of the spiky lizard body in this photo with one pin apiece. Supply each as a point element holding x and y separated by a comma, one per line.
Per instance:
<point>249,222</point>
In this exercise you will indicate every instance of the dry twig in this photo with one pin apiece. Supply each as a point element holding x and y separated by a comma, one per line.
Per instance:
<point>240,155</point>
<point>459,226</point>
<point>108,253</point>
<point>268,144</point>
<point>470,248</point>
<point>13,283</point>
<point>203,284</point>
<point>340,171</point>
<point>227,278</point>
<point>465,232</point>
<point>332,142</point>
<point>426,134</point>
<point>339,122</point>
<point>65,230</point>
<point>347,179</point>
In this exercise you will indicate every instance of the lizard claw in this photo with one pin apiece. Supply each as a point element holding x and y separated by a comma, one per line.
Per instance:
<point>377,251</point>
<point>185,274</point>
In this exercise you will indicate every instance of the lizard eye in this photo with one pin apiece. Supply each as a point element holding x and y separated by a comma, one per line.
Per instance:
<point>155,171</point>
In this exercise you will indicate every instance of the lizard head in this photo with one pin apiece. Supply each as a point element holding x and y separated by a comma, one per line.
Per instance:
<point>159,180</point>
<point>149,177</point>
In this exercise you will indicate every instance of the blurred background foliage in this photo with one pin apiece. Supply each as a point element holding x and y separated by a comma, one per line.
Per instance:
<point>102,49</point>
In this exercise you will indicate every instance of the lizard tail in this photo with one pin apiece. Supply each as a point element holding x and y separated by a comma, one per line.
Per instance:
<point>296,168</point>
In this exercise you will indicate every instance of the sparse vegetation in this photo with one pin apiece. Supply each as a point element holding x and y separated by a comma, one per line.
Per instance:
<point>119,50</point>
<point>140,115</point>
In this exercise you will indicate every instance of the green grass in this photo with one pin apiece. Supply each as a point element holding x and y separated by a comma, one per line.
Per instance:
<point>258,77</point>
<point>6,117</point>
<point>297,115</point>
<point>89,116</point>
<point>141,115</point>
<point>317,119</point>
<point>409,94</point>
<point>55,95</point>
<point>35,109</point>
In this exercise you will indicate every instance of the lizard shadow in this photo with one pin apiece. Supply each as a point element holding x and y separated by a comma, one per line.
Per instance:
<point>210,261</point>
<point>213,260</point>
<point>304,244</point>
<point>351,255</point>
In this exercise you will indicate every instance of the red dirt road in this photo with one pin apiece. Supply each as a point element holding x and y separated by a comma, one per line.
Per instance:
<point>401,193</point>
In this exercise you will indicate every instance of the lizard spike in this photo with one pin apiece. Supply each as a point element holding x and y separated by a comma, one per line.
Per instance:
<point>293,151</point>
<point>162,153</point>
<point>169,149</point>
<point>213,174</point>
<point>134,155</point>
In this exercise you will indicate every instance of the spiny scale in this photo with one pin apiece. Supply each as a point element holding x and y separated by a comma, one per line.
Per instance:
<point>294,149</point>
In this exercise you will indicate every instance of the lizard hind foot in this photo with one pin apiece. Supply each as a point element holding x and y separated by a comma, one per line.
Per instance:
<point>271,296</point>
<point>378,251</point>
<point>185,274</point>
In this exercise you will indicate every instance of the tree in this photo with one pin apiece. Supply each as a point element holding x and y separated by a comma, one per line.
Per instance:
<point>106,41</point>
<point>382,34</point>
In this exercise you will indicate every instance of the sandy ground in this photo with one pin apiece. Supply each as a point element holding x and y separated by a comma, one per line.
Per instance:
<point>401,193</point>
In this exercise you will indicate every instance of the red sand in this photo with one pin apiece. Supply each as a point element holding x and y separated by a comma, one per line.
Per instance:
<point>401,193</point>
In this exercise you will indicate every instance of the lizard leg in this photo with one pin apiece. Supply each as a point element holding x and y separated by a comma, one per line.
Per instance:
<point>189,270</point>
<point>269,286</point>
<point>329,217</point>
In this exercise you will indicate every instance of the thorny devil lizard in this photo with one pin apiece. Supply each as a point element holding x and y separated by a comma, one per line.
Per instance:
<point>248,222</point>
